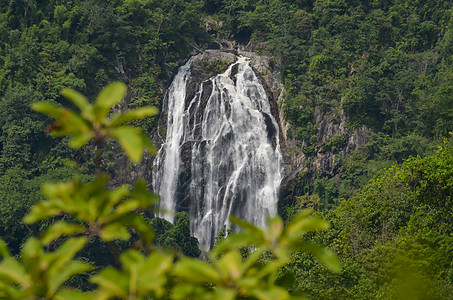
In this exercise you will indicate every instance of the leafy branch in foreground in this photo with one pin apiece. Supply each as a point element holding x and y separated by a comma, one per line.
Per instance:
<point>40,273</point>
<point>99,212</point>
<point>255,276</point>
<point>93,122</point>
<point>84,211</point>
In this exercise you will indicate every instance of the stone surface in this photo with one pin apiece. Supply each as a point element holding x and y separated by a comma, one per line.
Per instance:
<point>328,124</point>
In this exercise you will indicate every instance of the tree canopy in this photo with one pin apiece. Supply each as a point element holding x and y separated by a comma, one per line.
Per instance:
<point>385,66</point>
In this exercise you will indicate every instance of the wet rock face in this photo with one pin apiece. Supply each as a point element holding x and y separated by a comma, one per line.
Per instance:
<point>225,54</point>
<point>203,65</point>
<point>221,154</point>
<point>329,124</point>
<point>214,61</point>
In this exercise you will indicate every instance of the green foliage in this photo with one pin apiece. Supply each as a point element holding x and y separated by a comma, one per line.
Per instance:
<point>103,213</point>
<point>141,277</point>
<point>83,212</point>
<point>393,236</point>
<point>217,67</point>
<point>18,193</point>
<point>254,277</point>
<point>40,274</point>
<point>82,45</point>
<point>387,65</point>
<point>93,123</point>
<point>177,235</point>
<point>297,110</point>
<point>413,265</point>
<point>384,63</point>
<point>335,144</point>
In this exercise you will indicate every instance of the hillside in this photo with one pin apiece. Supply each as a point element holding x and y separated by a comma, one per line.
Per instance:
<point>366,94</point>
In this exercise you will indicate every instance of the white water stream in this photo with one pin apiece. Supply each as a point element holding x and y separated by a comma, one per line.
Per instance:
<point>221,155</point>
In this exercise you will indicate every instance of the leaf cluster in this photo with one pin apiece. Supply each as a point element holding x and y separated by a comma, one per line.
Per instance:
<point>393,236</point>
<point>92,121</point>
<point>83,211</point>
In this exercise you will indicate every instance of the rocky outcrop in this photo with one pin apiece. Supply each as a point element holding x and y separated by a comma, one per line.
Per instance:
<point>331,126</point>
<point>221,154</point>
<point>335,141</point>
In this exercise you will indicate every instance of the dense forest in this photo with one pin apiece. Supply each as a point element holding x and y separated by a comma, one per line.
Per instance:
<point>387,65</point>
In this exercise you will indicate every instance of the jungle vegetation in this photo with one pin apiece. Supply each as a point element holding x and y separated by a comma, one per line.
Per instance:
<point>387,64</point>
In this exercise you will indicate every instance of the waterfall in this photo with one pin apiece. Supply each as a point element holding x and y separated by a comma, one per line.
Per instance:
<point>221,155</point>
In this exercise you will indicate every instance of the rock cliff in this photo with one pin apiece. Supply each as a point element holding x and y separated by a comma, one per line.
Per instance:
<point>334,140</point>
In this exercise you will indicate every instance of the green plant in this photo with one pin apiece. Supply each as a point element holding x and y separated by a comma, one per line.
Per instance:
<point>217,66</point>
<point>93,122</point>
<point>87,211</point>
<point>335,144</point>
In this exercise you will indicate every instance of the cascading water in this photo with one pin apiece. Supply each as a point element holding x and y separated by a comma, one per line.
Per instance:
<point>221,155</point>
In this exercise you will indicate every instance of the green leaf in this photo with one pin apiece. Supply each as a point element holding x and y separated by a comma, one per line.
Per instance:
<point>31,253</point>
<point>139,276</point>
<point>59,229</point>
<point>162,262</point>
<point>138,222</point>
<point>188,267</point>
<point>78,140</point>
<point>114,231</point>
<point>70,294</point>
<point>253,258</point>
<point>275,227</point>
<point>153,272</point>
<point>272,293</point>
<point>233,241</point>
<point>147,198</point>
<point>4,252</point>
<point>109,96</point>
<point>136,114</point>
<point>59,199</point>
<point>230,265</point>
<point>13,272</point>
<point>70,123</point>
<point>271,267</point>
<point>131,140</point>
<point>48,109</point>
<point>111,280</point>
<point>70,163</point>
<point>9,291</point>
<point>126,206</point>
<point>40,211</point>
<point>184,291</point>
<point>75,97</point>
<point>117,194</point>
<point>325,256</point>
<point>148,144</point>
<point>66,252</point>
<point>303,223</point>
<point>257,232</point>
<point>58,279</point>
<point>224,294</point>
